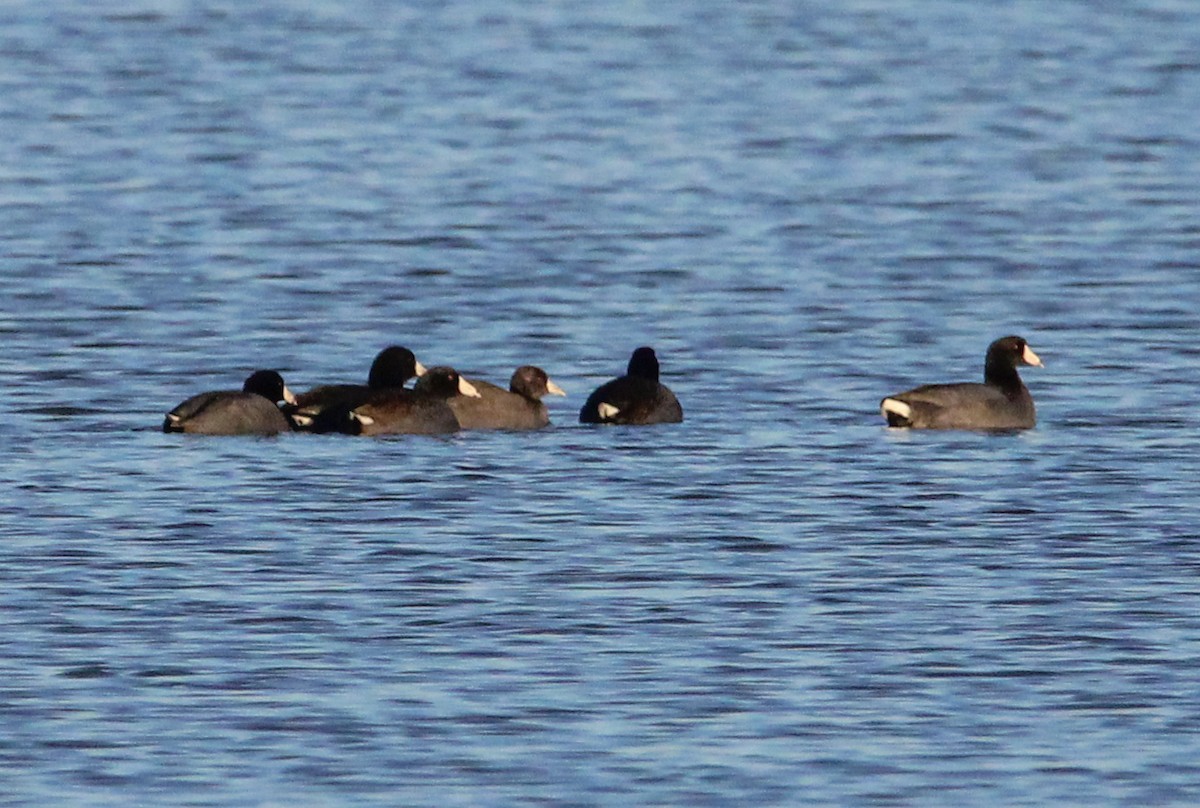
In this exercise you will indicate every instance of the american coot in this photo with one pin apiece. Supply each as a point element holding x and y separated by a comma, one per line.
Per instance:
<point>323,408</point>
<point>635,398</point>
<point>518,407</point>
<point>250,411</point>
<point>1001,402</point>
<point>420,411</point>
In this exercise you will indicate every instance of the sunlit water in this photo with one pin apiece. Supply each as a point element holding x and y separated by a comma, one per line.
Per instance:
<point>778,601</point>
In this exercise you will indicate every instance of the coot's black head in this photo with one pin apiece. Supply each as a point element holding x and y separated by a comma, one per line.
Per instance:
<point>444,382</point>
<point>393,367</point>
<point>532,382</point>
<point>643,364</point>
<point>1003,356</point>
<point>269,385</point>
<point>1012,351</point>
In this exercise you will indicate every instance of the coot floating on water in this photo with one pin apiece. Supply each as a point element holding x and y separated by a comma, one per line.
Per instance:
<point>635,398</point>
<point>518,407</point>
<point>1001,402</point>
<point>249,411</point>
<point>420,411</point>
<point>323,408</point>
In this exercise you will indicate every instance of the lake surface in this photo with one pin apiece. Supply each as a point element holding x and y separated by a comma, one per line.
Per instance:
<point>777,602</point>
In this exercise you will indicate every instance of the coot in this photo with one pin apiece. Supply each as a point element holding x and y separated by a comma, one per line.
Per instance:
<point>249,411</point>
<point>635,398</point>
<point>518,407</point>
<point>420,411</point>
<point>323,408</point>
<point>1001,402</point>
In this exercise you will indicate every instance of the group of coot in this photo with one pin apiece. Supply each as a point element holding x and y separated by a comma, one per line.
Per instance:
<point>442,401</point>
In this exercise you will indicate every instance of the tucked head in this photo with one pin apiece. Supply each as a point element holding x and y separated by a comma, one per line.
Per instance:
<point>393,367</point>
<point>643,364</point>
<point>532,382</point>
<point>269,385</point>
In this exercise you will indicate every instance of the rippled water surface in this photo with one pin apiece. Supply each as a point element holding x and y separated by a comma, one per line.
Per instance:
<point>778,602</point>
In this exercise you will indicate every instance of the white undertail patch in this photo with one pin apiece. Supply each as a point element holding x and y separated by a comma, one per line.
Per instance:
<point>895,406</point>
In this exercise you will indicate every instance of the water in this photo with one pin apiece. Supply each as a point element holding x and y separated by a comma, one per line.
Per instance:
<point>777,602</point>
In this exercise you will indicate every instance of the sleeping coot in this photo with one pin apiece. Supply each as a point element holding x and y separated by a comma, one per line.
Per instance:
<point>518,407</point>
<point>1001,402</point>
<point>635,398</point>
<point>250,411</point>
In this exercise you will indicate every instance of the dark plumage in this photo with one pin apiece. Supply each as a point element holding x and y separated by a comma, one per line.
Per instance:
<point>324,408</point>
<point>519,407</point>
<point>420,411</point>
<point>249,411</point>
<point>1001,402</point>
<point>635,398</point>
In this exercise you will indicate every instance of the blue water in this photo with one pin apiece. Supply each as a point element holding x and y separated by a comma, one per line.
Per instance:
<point>779,602</point>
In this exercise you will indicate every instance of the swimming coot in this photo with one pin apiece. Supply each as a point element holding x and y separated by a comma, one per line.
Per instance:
<point>518,407</point>
<point>1001,402</point>
<point>635,398</point>
<point>420,411</point>
<point>249,411</point>
<point>323,408</point>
